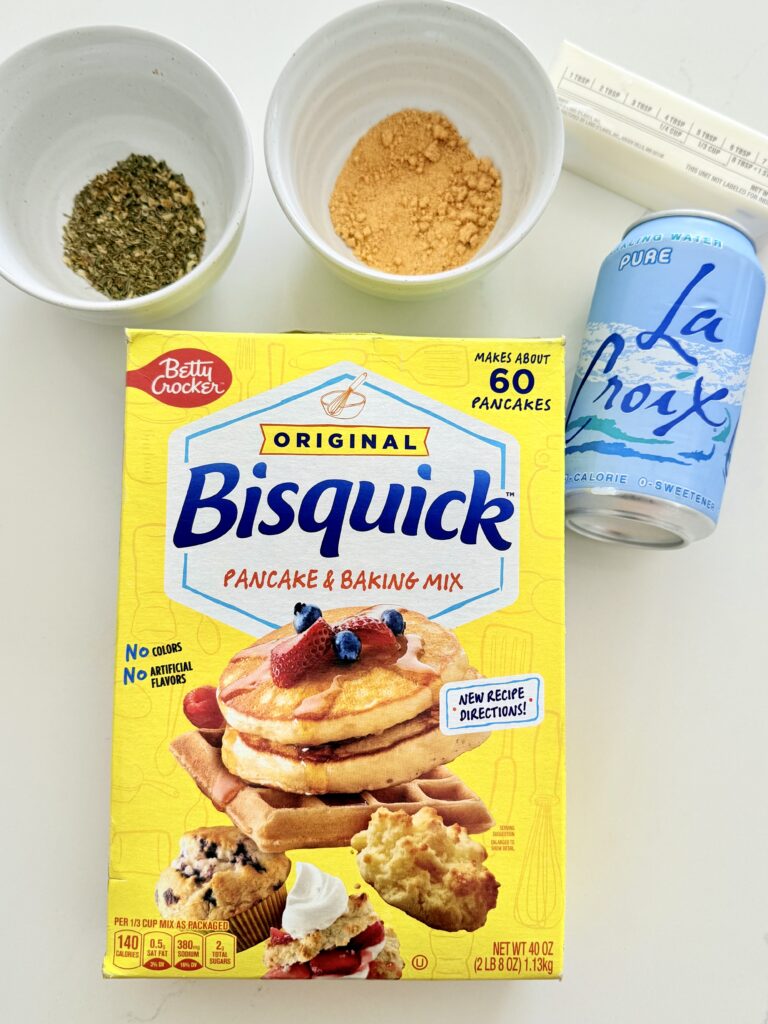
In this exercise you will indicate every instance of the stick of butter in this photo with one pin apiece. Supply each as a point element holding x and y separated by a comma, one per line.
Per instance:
<point>658,148</point>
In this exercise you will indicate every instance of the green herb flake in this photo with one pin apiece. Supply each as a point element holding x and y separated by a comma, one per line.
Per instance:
<point>134,229</point>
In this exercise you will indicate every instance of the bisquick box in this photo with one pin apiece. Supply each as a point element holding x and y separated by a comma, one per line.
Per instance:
<point>339,699</point>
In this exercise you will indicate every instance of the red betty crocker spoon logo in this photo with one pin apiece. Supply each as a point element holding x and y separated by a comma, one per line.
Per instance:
<point>184,377</point>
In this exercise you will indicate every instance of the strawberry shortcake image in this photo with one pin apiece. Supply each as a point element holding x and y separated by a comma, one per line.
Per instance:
<point>327,934</point>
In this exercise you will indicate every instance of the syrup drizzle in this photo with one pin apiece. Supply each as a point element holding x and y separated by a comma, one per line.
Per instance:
<point>261,647</point>
<point>319,704</point>
<point>409,661</point>
<point>225,788</point>
<point>377,610</point>
<point>261,674</point>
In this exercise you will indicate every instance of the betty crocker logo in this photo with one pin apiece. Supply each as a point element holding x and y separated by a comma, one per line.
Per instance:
<point>184,377</point>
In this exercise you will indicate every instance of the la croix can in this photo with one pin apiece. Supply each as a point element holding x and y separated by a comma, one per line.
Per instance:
<point>656,398</point>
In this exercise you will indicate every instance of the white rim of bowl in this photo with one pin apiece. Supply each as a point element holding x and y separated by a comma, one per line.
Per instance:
<point>233,224</point>
<point>356,266</point>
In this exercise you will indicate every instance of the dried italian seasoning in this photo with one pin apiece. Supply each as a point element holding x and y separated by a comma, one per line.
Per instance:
<point>134,229</point>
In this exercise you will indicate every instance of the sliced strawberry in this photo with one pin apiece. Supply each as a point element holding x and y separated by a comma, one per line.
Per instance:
<point>302,971</point>
<point>278,937</point>
<point>335,961</point>
<point>202,708</point>
<point>372,935</point>
<point>373,634</point>
<point>291,658</point>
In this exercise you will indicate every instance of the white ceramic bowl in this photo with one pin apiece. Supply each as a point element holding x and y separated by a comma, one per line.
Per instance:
<point>385,56</point>
<point>71,106</point>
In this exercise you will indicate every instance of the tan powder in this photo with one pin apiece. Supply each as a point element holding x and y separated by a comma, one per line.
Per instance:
<point>413,198</point>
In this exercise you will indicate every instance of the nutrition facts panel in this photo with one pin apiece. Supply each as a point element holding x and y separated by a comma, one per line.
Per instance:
<point>159,950</point>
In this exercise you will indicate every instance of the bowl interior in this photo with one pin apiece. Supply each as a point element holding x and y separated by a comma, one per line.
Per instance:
<point>74,104</point>
<point>384,57</point>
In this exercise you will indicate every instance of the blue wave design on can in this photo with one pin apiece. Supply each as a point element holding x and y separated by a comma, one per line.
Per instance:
<point>618,449</point>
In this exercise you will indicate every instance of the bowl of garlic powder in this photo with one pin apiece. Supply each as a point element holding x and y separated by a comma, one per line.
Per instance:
<point>413,144</point>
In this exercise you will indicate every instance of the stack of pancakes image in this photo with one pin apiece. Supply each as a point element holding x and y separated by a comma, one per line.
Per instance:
<point>306,718</point>
<point>323,721</point>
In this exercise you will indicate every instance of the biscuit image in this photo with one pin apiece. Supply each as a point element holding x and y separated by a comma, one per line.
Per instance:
<point>221,875</point>
<point>431,872</point>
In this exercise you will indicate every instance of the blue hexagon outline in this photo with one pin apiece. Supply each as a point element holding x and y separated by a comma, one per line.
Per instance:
<point>390,394</point>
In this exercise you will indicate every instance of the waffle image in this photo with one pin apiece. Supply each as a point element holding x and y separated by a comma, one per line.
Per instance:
<point>279,821</point>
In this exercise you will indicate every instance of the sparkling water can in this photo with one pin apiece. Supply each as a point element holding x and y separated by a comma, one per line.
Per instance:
<point>656,398</point>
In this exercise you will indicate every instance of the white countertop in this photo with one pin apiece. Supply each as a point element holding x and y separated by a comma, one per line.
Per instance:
<point>667,887</point>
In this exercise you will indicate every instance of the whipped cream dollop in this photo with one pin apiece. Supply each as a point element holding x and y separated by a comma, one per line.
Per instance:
<point>315,901</point>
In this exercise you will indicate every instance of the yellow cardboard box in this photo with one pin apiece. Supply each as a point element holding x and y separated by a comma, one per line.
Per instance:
<point>356,473</point>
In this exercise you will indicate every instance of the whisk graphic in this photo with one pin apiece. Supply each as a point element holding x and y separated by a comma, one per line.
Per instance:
<point>539,899</point>
<point>505,649</point>
<point>346,403</point>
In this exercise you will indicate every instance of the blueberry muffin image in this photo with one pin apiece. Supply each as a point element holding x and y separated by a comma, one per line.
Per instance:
<point>221,875</point>
<point>433,872</point>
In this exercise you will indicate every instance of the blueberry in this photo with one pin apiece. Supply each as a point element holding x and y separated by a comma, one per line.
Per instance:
<point>209,897</point>
<point>347,645</point>
<point>304,615</point>
<point>170,897</point>
<point>244,859</point>
<point>392,618</point>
